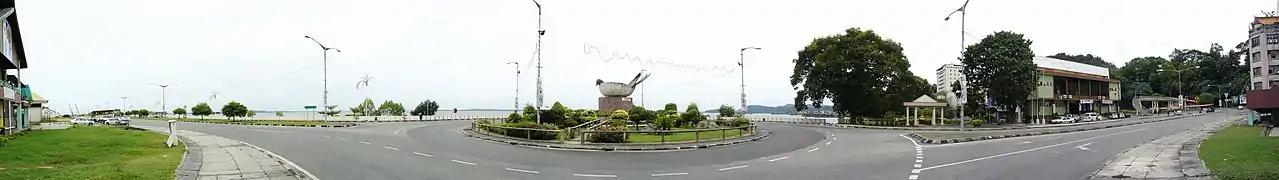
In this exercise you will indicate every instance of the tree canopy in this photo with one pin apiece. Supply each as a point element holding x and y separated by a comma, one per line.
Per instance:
<point>366,108</point>
<point>1001,68</point>
<point>1088,59</point>
<point>391,108</point>
<point>202,110</point>
<point>854,70</point>
<point>234,109</point>
<point>425,108</point>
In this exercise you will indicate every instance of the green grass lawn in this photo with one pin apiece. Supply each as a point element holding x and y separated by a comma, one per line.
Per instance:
<point>89,153</point>
<point>1240,152</point>
<point>684,136</point>
<point>252,122</point>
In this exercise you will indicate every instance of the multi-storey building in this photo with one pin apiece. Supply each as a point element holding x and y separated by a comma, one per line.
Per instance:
<point>1263,64</point>
<point>947,75</point>
<point>13,93</point>
<point>1067,87</point>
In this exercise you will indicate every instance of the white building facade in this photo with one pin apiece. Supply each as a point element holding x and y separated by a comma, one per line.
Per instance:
<point>947,75</point>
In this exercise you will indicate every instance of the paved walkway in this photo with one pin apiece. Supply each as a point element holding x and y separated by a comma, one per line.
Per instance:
<point>1174,156</point>
<point>216,158</point>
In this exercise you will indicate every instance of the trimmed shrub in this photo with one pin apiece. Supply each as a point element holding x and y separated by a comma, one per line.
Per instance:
<point>608,137</point>
<point>664,122</point>
<point>620,114</point>
<point>976,122</point>
<point>739,122</point>
<point>530,134</point>
<point>514,118</point>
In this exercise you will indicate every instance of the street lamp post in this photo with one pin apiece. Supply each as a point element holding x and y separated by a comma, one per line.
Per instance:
<point>1181,101</point>
<point>741,66</point>
<point>538,51</point>
<point>517,85</point>
<point>963,16</point>
<point>163,103</point>
<point>326,70</point>
<point>124,102</point>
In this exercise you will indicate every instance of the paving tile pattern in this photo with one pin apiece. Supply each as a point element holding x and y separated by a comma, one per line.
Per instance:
<point>1174,156</point>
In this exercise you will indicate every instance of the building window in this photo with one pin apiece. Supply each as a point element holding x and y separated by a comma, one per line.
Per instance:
<point>1274,69</point>
<point>1256,72</point>
<point>1272,38</point>
<point>1256,86</point>
<point>1274,54</point>
<point>1274,84</point>
<point>1256,56</point>
<point>1255,41</point>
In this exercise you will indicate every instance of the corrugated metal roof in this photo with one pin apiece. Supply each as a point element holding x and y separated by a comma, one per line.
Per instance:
<point>1047,62</point>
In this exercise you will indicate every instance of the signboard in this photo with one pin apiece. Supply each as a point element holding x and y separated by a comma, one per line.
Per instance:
<point>1107,102</point>
<point>309,107</point>
<point>1085,101</point>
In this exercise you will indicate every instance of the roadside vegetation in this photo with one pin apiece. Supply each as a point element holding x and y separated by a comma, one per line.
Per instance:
<point>1241,152</point>
<point>96,152</point>
<point>561,118</point>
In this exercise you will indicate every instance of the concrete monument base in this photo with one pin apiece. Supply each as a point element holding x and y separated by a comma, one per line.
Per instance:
<point>610,104</point>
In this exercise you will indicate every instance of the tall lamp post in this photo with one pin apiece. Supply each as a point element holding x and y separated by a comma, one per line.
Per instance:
<point>538,51</point>
<point>163,88</point>
<point>741,66</point>
<point>326,70</point>
<point>1181,101</point>
<point>124,102</point>
<point>517,85</point>
<point>963,15</point>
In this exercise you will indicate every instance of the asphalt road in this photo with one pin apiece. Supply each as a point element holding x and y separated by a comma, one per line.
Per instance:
<point>435,150</point>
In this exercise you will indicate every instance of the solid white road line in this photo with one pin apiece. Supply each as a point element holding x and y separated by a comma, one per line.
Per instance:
<point>734,167</point>
<point>464,162</point>
<point>1028,150</point>
<point>596,175</point>
<point>421,154</point>
<point>912,141</point>
<point>668,174</point>
<point>814,149</point>
<point>521,170</point>
<point>362,142</point>
<point>391,148</point>
<point>778,159</point>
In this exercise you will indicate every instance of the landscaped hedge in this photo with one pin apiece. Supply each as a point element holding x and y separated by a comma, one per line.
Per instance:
<point>530,134</point>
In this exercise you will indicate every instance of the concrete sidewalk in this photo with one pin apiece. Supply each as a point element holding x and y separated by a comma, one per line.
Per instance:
<point>216,158</point>
<point>1174,156</point>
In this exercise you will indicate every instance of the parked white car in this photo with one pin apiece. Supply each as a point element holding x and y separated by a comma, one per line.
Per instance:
<point>82,121</point>
<point>1089,117</point>
<point>1069,118</point>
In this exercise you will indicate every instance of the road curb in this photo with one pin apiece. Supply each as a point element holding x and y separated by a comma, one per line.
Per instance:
<point>1189,165</point>
<point>925,140</point>
<point>625,148</point>
<point>852,126</point>
<point>288,125</point>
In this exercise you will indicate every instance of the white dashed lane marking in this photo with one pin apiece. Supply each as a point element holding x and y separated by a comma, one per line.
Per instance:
<point>827,142</point>
<point>362,142</point>
<point>423,154</point>
<point>778,159</point>
<point>596,175</point>
<point>391,148</point>
<point>814,149</point>
<point>734,167</point>
<point>668,174</point>
<point>521,170</point>
<point>464,162</point>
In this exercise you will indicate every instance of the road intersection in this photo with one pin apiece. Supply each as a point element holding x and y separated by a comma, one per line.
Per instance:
<point>436,150</point>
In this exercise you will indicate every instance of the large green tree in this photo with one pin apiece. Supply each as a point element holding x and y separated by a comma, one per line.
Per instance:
<point>234,109</point>
<point>366,108</point>
<point>391,108</point>
<point>202,110</point>
<point>425,108</point>
<point>181,112</point>
<point>852,70</point>
<point>1001,68</point>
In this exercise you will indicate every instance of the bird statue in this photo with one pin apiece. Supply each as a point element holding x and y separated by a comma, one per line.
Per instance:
<point>618,89</point>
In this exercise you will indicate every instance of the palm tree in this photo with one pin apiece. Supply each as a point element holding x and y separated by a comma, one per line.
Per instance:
<point>364,82</point>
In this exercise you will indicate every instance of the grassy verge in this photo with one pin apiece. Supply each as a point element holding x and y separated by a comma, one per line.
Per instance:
<point>89,153</point>
<point>252,122</point>
<point>1240,152</point>
<point>684,136</point>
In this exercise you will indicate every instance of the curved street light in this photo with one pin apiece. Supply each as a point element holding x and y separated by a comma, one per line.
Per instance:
<point>326,70</point>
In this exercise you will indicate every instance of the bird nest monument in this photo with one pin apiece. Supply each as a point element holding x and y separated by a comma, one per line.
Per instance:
<point>617,94</point>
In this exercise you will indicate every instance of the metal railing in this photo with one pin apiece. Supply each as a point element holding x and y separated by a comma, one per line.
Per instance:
<point>698,135</point>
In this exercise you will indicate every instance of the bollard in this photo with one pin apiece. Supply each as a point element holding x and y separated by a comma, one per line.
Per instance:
<point>173,125</point>
<point>723,134</point>
<point>697,136</point>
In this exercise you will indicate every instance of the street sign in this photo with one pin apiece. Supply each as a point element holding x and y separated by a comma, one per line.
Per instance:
<point>308,107</point>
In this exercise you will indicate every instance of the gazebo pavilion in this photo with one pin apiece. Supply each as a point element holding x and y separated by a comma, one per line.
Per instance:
<point>912,117</point>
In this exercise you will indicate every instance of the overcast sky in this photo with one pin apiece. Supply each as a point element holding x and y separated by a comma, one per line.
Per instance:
<point>90,53</point>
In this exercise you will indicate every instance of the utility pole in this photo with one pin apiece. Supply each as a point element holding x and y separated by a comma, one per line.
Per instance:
<point>326,71</point>
<point>124,102</point>
<point>517,85</point>
<point>163,102</point>
<point>538,51</point>
<point>741,67</point>
<point>963,16</point>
